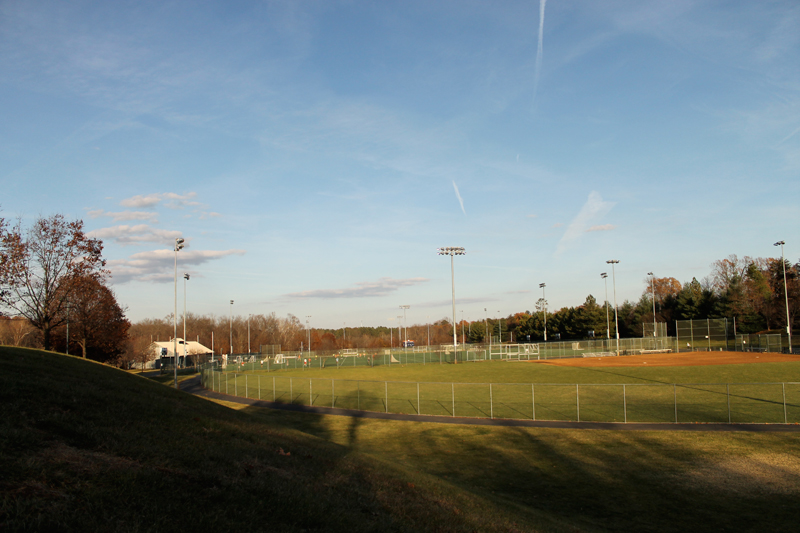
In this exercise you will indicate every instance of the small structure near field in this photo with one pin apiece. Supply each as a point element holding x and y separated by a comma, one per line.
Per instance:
<point>164,353</point>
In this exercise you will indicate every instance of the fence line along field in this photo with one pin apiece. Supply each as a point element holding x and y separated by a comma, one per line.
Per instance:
<point>592,389</point>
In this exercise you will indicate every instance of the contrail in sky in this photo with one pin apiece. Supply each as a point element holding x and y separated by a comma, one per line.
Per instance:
<point>539,49</point>
<point>460,200</point>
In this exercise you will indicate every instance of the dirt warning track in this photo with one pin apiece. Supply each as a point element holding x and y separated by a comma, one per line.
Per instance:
<point>674,359</point>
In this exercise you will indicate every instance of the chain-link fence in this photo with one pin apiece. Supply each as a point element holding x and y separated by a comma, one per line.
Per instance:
<point>678,403</point>
<point>709,334</point>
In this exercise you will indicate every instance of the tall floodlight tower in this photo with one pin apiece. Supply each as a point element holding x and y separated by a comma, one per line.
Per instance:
<point>544,310</point>
<point>608,326</point>
<point>653,287</point>
<point>185,279</point>
<point>786,294</point>
<point>178,247</point>
<point>613,262</point>
<point>230,326</point>
<point>453,251</point>
<point>405,324</point>
<point>308,329</point>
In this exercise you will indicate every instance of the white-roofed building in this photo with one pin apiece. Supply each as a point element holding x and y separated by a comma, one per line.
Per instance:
<point>164,353</point>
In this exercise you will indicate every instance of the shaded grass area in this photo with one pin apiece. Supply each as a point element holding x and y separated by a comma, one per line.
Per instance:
<point>84,447</point>
<point>592,480</point>
<point>735,393</point>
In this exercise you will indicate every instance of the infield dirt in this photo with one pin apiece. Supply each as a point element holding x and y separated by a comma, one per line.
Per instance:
<point>675,359</point>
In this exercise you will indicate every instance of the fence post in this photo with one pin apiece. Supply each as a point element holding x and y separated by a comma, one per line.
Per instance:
<point>453,396</point>
<point>419,409</point>
<point>785,419</point>
<point>728,392</point>
<point>259,387</point>
<point>578,400</point>
<point>333,394</point>
<point>245,385</point>
<point>386,387</point>
<point>310,393</point>
<point>675,399</point>
<point>358,396</point>
<point>625,403</point>
<point>533,401</point>
<point>291,391</point>
<point>273,389</point>
<point>491,402</point>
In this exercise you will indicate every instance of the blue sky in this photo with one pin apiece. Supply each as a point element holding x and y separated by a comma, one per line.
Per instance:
<point>316,154</point>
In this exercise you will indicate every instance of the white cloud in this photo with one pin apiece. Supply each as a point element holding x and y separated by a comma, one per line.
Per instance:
<point>363,289</point>
<point>604,227</point>
<point>174,200</point>
<point>140,233</point>
<point>595,207</point>
<point>121,216</point>
<point>460,200</point>
<point>157,265</point>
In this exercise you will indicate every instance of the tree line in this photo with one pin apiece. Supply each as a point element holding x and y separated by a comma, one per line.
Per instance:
<point>53,281</point>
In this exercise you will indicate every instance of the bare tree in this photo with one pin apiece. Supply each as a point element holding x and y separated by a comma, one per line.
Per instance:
<point>37,264</point>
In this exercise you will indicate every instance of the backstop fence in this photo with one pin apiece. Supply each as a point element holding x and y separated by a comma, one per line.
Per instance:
<point>769,403</point>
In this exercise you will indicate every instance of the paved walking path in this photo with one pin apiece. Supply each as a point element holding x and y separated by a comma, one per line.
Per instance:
<point>193,386</point>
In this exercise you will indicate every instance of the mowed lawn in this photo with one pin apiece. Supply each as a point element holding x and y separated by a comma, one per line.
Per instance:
<point>745,393</point>
<point>84,447</point>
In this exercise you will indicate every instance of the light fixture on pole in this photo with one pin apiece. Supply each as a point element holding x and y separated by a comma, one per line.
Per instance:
<point>405,324</point>
<point>500,326</point>
<point>486,328</point>
<point>608,326</point>
<point>613,262</point>
<point>308,329</point>
<point>185,279</point>
<point>178,247</point>
<point>786,294</point>
<point>230,327</point>
<point>653,285</point>
<point>453,251</point>
<point>544,310</point>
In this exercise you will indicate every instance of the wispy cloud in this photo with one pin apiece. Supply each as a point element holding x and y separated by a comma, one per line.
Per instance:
<point>140,233</point>
<point>460,200</point>
<point>594,208</point>
<point>170,199</point>
<point>539,50</point>
<point>364,289</point>
<point>157,265</point>
<point>604,227</point>
<point>121,216</point>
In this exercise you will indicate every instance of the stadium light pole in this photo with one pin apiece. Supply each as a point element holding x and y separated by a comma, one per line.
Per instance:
<point>178,247</point>
<point>613,262</point>
<point>786,295</point>
<point>185,279</point>
<point>405,324</point>
<point>428,319</point>
<point>230,326</point>
<point>486,328</point>
<point>400,330</point>
<point>463,339</point>
<point>308,329</point>
<point>604,275</point>
<point>544,310</point>
<point>653,285</point>
<point>453,251</point>
<point>500,326</point>
<point>248,334</point>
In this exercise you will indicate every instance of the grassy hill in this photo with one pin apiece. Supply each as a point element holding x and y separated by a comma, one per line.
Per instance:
<point>90,448</point>
<point>84,447</point>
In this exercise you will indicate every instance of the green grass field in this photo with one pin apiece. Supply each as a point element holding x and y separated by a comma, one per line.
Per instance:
<point>748,393</point>
<point>85,447</point>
